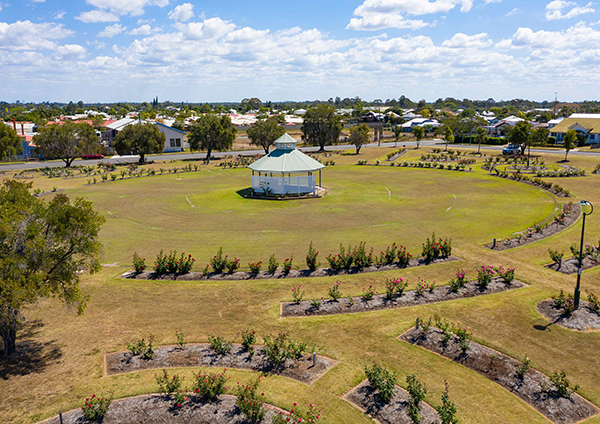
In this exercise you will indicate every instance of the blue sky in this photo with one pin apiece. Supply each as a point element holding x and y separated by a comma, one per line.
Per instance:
<point>197,51</point>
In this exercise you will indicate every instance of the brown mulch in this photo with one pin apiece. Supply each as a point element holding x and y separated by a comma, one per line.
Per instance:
<point>295,273</point>
<point>158,409</point>
<point>571,265</point>
<point>408,298</point>
<point>501,369</point>
<point>550,230</point>
<point>581,319</point>
<point>367,399</point>
<point>202,355</point>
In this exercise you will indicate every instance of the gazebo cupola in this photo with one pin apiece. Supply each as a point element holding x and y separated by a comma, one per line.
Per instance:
<point>286,170</point>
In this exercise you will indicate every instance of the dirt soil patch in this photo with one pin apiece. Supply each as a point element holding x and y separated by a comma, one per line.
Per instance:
<point>202,355</point>
<point>581,319</point>
<point>502,370</point>
<point>409,298</point>
<point>158,409</point>
<point>367,399</point>
<point>295,273</point>
<point>571,265</point>
<point>552,228</point>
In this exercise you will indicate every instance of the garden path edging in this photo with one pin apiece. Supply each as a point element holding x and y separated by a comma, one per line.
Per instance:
<point>366,399</point>
<point>501,369</point>
<point>202,355</point>
<point>407,299</point>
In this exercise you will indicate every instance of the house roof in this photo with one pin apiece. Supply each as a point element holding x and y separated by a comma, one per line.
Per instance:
<point>286,160</point>
<point>171,128</point>
<point>592,125</point>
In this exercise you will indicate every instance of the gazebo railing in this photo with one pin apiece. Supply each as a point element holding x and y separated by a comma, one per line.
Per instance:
<point>284,184</point>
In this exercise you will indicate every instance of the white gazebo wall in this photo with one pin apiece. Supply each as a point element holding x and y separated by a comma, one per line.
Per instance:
<point>284,184</point>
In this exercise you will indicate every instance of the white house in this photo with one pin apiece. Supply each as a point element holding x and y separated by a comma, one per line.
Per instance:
<point>419,122</point>
<point>173,137</point>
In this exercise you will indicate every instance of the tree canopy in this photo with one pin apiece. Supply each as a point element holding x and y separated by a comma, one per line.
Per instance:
<point>359,135</point>
<point>10,143</point>
<point>570,140</point>
<point>264,133</point>
<point>67,141</point>
<point>139,139</point>
<point>448,135</point>
<point>43,246</point>
<point>321,126</point>
<point>211,132</point>
<point>418,132</point>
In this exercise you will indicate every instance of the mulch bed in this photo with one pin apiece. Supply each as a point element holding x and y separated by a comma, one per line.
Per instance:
<point>408,298</point>
<point>158,409</point>
<point>202,355</point>
<point>552,190</point>
<point>367,399</point>
<point>502,370</point>
<point>581,319</point>
<point>571,265</point>
<point>296,273</point>
<point>551,229</point>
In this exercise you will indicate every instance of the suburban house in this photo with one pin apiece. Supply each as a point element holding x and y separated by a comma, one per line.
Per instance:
<point>419,122</point>
<point>25,131</point>
<point>586,124</point>
<point>502,126</point>
<point>173,137</point>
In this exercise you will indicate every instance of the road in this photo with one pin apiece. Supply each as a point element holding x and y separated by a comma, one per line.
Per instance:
<point>200,156</point>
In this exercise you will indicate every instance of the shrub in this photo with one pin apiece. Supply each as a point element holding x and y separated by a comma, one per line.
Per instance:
<point>248,341</point>
<point>422,287</point>
<point>311,258</point>
<point>281,347</point>
<point>218,262</point>
<point>334,292</point>
<point>403,256</point>
<point>210,386</point>
<point>383,380</point>
<point>315,304</point>
<point>417,392</point>
<point>484,276</point>
<point>250,402</point>
<point>522,368</point>
<point>95,407</point>
<point>555,255</point>
<point>463,337</point>
<point>459,281</point>
<point>287,265</point>
<point>296,416</point>
<point>564,302</point>
<point>255,267</point>
<point>273,264</point>
<point>219,345</point>
<point>447,410</point>
<point>507,275</point>
<point>560,384</point>
<point>575,251</point>
<point>167,384</point>
<point>343,260</point>
<point>389,256</point>
<point>368,293</point>
<point>360,257</point>
<point>141,347</point>
<point>232,265</point>
<point>593,301</point>
<point>180,338</point>
<point>185,264</point>
<point>433,249</point>
<point>139,264</point>
<point>161,265</point>
<point>297,294</point>
<point>394,287</point>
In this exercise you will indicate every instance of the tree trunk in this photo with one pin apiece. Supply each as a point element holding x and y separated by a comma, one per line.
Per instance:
<point>142,158</point>
<point>8,331</point>
<point>208,155</point>
<point>68,162</point>
<point>358,149</point>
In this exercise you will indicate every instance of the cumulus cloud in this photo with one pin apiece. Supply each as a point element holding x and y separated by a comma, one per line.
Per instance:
<point>128,7</point>
<point>461,41</point>
<point>378,14</point>
<point>182,13</point>
<point>111,30</point>
<point>210,28</point>
<point>554,10</point>
<point>95,16</point>
<point>59,15</point>
<point>142,30</point>
<point>578,37</point>
<point>25,35</point>
<point>69,52</point>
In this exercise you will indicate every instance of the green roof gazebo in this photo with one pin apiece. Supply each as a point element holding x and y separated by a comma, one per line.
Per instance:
<point>286,170</point>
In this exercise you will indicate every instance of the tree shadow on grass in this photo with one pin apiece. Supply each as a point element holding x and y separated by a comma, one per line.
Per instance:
<point>32,356</point>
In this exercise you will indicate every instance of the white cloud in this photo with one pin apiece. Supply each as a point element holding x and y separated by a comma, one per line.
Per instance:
<point>69,52</point>
<point>142,30</point>
<point>381,21</point>
<point>460,41</point>
<point>210,28</point>
<point>579,37</point>
<point>555,10</point>
<point>38,1</point>
<point>59,15</point>
<point>183,12</point>
<point>25,35</point>
<point>112,30</point>
<point>513,12</point>
<point>492,1</point>
<point>94,16</point>
<point>127,7</point>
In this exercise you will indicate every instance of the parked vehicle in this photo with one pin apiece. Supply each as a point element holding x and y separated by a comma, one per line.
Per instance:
<point>92,156</point>
<point>511,149</point>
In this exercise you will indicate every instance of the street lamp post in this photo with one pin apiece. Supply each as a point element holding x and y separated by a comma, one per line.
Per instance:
<point>579,270</point>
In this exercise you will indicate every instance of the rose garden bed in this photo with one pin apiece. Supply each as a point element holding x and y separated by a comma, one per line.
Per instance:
<point>502,369</point>
<point>571,265</point>
<point>408,298</point>
<point>581,319</point>
<point>159,409</point>
<point>202,355</point>
<point>367,399</point>
<point>532,235</point>
<point>298,273</point>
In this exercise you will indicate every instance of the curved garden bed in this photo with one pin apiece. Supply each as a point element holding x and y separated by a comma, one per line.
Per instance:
<point>502,369</point>
<point>158,409</point>
<point>297,273</point>
<point>536,182</point>
<point>409,298</point>
<point>571,265</point>
<point>202,355</point>
<point>582,319</point>
<point>367,399</point>
<point>570,214</point>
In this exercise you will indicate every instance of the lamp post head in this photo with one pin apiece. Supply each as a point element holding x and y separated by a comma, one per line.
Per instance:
<point>586,203</point>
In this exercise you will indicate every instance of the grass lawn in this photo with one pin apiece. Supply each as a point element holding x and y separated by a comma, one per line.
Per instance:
<point>378,205</point>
